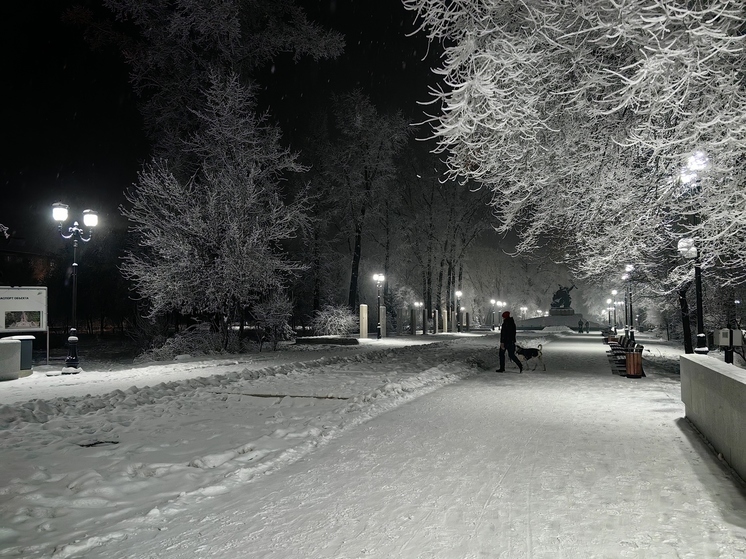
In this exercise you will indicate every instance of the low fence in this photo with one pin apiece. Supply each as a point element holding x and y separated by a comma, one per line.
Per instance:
<point>714,395</point>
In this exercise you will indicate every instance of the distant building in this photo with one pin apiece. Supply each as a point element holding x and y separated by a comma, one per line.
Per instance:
<point>21,266</point>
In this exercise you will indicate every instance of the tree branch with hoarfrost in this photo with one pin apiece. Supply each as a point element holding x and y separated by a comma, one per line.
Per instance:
<point>579,116</point>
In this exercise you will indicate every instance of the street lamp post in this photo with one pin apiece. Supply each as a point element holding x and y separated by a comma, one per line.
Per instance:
<point>523,313</point>
<point>697,162</point>
<point>629,317</point>
<point>616,303</point>
<point>689,250</point>
<point>737,321</point>
<point>608,308</point>
<point>458,311</point>
<point>90,220</point>
<point>379,279</point>
<point>492,301</point>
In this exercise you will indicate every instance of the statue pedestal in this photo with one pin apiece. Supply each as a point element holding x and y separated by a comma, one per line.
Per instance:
<point>561,312</point>
<point>557,317</point>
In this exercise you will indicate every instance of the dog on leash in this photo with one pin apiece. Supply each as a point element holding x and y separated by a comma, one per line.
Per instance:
<point>526,353</point>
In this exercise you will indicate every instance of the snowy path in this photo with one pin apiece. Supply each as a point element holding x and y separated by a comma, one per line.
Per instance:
<point>571,463</point>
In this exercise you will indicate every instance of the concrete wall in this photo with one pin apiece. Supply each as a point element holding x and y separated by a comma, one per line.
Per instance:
<point>714,395</point>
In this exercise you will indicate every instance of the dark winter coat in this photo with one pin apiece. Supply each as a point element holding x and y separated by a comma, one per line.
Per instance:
<point>507,333</point>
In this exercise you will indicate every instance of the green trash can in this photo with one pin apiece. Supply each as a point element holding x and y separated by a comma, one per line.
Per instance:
<point>27,352</point>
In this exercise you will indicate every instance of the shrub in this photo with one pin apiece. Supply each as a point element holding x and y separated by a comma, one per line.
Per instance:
<point>334,321</point>
<point>272,316</point>
<point>197,339</point>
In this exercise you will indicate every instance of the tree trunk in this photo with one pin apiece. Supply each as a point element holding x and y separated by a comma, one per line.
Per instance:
<point>352,300</point>
<point>316,271</point>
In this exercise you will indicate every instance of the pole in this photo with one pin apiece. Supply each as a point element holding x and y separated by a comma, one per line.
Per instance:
<point>72,360</point>
<point>90,220</point>
<point>378,326</point>
<point>701,338</point>
<point>631,314</point>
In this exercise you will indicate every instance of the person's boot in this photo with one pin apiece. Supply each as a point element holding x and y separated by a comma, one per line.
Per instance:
<point>499,370</point>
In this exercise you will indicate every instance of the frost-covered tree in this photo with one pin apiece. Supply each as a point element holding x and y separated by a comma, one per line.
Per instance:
<point>440,221</point>
<point>212,244</point>
<point>580,115</point>
<point>359,165</point>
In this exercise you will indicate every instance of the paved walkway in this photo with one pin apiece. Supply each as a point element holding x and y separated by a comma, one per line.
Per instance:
<point>573,462</point>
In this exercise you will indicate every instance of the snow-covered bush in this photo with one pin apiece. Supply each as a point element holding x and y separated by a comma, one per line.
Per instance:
<point>198,339</point>
<point>334,321</point>
<point>272,316</point>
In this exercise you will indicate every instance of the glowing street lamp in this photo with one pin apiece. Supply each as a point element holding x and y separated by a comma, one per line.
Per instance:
<point>696,162</point>
<point>90,220</point>
<point>379,279</point>
<point>492,302</point>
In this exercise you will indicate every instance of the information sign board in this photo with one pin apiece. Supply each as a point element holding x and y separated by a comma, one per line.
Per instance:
<point>23,309</point>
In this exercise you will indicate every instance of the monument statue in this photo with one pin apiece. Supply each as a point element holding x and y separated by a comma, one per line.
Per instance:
<point>561,298</point>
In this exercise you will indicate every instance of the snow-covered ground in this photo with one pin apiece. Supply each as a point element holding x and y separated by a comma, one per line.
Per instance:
<point>290,454</point>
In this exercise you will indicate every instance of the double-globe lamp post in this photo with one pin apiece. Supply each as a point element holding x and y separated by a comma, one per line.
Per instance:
<point>90,220</point>
<point>379,279</point>
<point>687,247</point>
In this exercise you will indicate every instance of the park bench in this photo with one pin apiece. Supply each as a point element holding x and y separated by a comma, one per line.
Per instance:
<point>625,357</point>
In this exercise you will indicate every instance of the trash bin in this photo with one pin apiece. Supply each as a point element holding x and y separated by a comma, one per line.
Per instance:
<point>634,362</point>
<point>10,359</point>
<point>27,352</point>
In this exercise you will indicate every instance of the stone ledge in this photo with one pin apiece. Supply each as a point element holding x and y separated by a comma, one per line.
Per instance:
<point>714,396</point>
<point>330,340</point>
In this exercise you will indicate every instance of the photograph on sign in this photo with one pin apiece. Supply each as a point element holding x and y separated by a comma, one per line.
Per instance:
<point>22,320</point>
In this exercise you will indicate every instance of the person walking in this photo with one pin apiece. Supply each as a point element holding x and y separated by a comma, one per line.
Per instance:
<point>580,325</point>
<point>507,342</point>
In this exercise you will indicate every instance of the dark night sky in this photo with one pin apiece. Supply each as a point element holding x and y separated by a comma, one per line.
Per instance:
<point>72,131</point>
